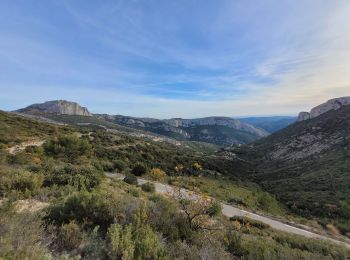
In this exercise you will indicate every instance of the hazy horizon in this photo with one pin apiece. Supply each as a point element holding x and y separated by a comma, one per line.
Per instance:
<point>168,59</point>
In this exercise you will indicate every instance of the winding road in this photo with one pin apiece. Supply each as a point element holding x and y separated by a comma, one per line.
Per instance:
<point>231,211</point>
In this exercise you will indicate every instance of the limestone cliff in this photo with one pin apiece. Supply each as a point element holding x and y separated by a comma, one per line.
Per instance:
<point>60,107</point>
<point>332,104</point>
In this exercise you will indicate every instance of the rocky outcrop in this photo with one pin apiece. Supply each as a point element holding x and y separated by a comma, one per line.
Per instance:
<point>303,116</point>
<point>332,104</point>
<point>60,107</point>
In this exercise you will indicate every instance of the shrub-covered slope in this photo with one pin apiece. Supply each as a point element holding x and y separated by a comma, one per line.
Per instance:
<point>57,203</point>
<point>307,166</point>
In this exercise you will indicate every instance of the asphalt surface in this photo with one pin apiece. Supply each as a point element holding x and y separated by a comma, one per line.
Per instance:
<point>231,211</point>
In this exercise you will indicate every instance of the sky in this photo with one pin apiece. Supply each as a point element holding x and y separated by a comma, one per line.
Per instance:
<point>183,58</point>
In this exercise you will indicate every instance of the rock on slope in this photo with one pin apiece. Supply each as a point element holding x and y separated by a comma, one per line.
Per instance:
<point>60,107</point>
<point>332,104</point>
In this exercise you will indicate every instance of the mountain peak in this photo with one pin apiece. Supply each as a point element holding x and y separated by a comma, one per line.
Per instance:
<point>332,104</point>
<point>61,107</point>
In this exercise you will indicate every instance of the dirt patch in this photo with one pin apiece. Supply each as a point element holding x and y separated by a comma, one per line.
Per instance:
<point>18,148</point>
<point>30,205</point>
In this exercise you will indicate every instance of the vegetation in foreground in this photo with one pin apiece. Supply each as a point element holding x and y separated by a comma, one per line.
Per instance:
<point>90,216</point>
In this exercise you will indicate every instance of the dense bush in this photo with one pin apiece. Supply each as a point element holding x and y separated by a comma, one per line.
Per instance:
<point>88,209</point>
<point>119,165</point>
<point>68,147</point>
<point>19,180</point>
<point>21,236</point>
<point>215,209</point>
<point>133,242</point>
<point>107,166</point>
<point>139,170</point>
<point>148,187</point>
<point>157,174</point>
<point>165,218</point>
<point>70,236</point>
<point>81,177</point>
<point>131,179</point>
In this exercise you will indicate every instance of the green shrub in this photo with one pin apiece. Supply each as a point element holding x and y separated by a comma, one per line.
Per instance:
<point>267,202</point>
<point>81,177</point>
<point>165,218</point>
<point>21,158</point>
<point>21,181</point>
<point>119,165</point>
<point>147,244</point>
<point>136,240</point>
<point>68,147</point>
<point>21,236</point>
<point>107,166</point>
<point>131,179</point>
<point>139,170</point>
<point>215,209</point>
<point>89,209</point>
<point>134,191</point>
<point>148,187</point>
<point>70,236</point>
<point>233,243</point>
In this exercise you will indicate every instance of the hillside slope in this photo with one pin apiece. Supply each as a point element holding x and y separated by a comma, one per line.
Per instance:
<point>86,214</point>
<point>307,166</point>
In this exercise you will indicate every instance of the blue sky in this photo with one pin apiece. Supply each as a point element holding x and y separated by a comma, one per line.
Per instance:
<point>183,58</point>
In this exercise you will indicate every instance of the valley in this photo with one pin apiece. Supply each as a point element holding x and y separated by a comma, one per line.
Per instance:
<point>286,192</point>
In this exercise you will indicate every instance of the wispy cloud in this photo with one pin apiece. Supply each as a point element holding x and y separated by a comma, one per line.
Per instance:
<point>176,58</point>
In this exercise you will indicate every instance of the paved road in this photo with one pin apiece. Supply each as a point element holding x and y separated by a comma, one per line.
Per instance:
<point>230,211</point>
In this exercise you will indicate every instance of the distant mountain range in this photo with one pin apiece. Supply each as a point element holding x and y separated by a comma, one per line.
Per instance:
<point>270,124</point>
<point>217,130</point>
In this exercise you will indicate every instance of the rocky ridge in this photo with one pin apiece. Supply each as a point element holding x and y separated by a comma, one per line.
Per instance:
<point>217,130</point>
<point>60,107</point>
<point>332,104</point>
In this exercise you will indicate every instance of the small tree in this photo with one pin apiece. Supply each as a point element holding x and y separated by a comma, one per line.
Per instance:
<point>198,208</point>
